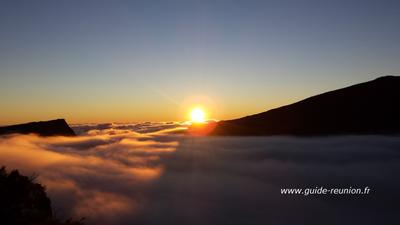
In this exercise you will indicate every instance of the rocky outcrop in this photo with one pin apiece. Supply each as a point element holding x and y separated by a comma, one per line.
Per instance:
<point>56,127</point>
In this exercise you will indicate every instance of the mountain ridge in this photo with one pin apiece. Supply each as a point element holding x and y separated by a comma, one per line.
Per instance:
<point>57,127</point>
<point>365,108</point>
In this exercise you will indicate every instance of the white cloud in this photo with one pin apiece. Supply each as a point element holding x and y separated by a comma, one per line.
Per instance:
<point>114,174</point>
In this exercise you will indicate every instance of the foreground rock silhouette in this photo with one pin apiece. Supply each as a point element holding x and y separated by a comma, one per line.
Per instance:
<point>25,202</point>
<point>43,128</point>
<point>367,108</point>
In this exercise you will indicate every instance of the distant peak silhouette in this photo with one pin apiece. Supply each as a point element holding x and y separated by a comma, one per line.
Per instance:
<point>42,128</point>
<point>366,108</point>
<point>387,77</point>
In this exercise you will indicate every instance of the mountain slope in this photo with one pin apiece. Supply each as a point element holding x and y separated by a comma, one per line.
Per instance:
<point>368,108</point>
<point>42,128</point>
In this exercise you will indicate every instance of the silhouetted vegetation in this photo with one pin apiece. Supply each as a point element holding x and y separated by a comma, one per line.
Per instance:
<point>25,202</point>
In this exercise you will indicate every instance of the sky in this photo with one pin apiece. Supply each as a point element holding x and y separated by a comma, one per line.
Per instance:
<point>127,61</point>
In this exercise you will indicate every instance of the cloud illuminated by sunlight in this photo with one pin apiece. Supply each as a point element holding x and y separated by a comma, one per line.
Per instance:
<point>149,173</point>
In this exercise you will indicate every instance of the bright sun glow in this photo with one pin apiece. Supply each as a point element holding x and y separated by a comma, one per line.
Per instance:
<point>198,115</point>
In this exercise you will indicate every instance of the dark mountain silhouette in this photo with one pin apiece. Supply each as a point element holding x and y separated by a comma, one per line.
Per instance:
<point>368,108</point>
<point>42,128</point>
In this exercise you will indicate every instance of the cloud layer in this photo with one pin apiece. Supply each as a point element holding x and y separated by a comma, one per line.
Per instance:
<point>152,174</point>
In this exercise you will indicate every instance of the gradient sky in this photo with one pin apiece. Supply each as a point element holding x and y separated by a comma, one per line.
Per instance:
<point>126,61</point>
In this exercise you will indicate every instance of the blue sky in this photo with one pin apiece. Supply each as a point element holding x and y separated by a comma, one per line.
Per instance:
<point>93,61</point>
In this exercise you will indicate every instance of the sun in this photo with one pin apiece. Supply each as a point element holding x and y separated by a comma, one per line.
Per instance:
<point>198,115</point>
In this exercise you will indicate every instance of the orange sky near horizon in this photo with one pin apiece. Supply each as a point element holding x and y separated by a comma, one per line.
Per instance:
<point>123,113</point>
<point>162,109</point>
<point>103,110</point>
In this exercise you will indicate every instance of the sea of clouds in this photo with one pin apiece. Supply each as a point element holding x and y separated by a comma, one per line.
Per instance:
<point>152,173</point>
